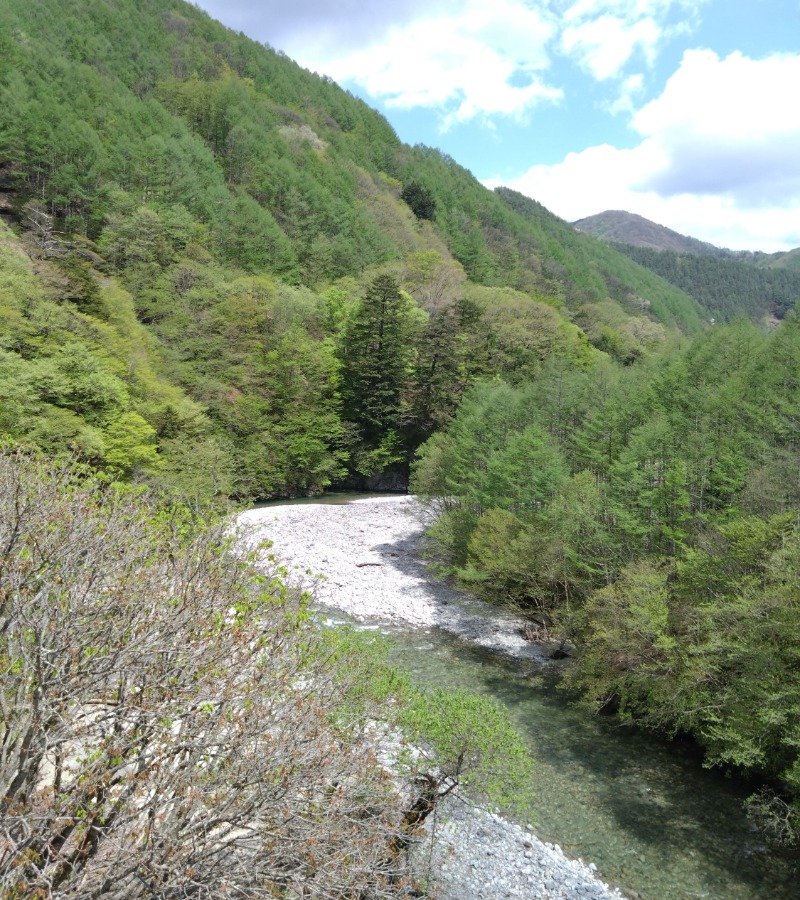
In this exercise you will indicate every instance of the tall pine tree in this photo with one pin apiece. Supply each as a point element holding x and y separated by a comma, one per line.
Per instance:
<point>377,359</point>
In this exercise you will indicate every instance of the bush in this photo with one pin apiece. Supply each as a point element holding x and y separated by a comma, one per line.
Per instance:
<point>174,723</point>
<point>169,720</point>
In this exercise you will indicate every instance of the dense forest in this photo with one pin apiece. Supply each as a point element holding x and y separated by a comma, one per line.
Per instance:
<point>650,514</point>
<point>222,276</point>
<point>724,286</point>
<point>198,230</point>
<point>726,283</point>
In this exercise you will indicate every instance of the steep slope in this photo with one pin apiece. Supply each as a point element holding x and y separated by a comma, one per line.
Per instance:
<point>289,173</point>
<point>631,286</point>
<point>79,373</point>
<point>245,208</point>
<point>727,287</point>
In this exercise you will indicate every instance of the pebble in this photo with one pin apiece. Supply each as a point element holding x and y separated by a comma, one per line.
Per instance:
<point>368,553</point>
<point>472,853</point>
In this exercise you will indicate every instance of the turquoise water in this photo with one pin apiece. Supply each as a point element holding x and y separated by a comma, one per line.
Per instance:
<point>643,810</point>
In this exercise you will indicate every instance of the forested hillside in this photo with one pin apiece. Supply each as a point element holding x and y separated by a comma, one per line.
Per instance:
<point>726,283</point>
<point>223,276</point>
<point>208,228</point>
<point>725,286</point>
<point>652,516</point>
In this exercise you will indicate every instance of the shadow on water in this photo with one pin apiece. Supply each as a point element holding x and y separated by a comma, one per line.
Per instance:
<point>641,808</point>
<point>330,498</point>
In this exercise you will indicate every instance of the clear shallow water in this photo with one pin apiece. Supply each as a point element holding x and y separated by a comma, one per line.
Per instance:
<point>644,811</point>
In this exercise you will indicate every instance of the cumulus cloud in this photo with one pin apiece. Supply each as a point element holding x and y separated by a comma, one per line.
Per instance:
<point>718,157</point>
<point>728,126</point>
<point>464,58</point>
<point>604,35</point>
<point>470,63</point>
<point>470,59</point>
<point>605,44</point>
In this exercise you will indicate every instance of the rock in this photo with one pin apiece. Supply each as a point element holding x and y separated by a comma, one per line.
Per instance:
<point>473,853</point>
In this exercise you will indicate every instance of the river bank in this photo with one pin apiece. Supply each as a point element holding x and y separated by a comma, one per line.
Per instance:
<point>640,808</point>
<point>368,553</point>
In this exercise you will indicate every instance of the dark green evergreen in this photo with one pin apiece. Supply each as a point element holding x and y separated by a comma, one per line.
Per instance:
<point>421,200</point>
<point>724,286</point>
<point>377,356</point>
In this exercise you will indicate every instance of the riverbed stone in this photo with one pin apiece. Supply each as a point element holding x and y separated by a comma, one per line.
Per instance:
<point>367,552</point>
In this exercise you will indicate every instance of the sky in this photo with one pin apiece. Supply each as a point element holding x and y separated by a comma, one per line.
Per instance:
<point>687,113</point>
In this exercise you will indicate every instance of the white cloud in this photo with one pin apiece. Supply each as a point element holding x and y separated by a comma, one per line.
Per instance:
<point>317,27</point>
<point>604,45</point>
<point>628,9</point>
<point>718,157</point>
<point>473,63</point>
<point>604,35</point>
<point>731,126</point>
<point>466,59</point>
<point>630,88</point>
<point>728,97</point>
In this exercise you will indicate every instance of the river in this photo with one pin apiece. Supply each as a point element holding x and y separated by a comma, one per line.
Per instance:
<point>643,810</point>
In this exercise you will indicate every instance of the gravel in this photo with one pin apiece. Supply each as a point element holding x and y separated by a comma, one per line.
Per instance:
<point>367,553</point>
<point>474,854</point>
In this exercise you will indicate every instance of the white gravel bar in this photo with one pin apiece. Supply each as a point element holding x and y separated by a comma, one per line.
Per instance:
<point>367,553</point>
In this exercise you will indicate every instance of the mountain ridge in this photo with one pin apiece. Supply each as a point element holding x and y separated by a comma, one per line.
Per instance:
<point>622,227</point>
<point>727,283</point>
<point>618,226</point>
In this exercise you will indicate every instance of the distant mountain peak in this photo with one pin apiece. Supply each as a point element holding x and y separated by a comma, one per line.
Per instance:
<point>619,226</point>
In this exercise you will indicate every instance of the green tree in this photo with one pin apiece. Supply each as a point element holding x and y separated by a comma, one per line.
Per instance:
<point>627,647</point>
<point>466,741</point>
<point>439,376</point>
<point>420,199</point>
<point>377,356</point>
<point>130,444</point>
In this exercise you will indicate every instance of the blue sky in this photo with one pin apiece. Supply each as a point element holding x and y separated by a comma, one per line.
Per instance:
<point>687,113</point>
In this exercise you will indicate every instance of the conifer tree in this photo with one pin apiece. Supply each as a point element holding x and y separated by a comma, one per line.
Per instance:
<point>377,358</point>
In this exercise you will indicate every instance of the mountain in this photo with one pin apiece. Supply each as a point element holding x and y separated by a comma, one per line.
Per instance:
<point>726,283</point>
<point>619,227</point>
<point>202,224</point>
<point>616,226</point>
